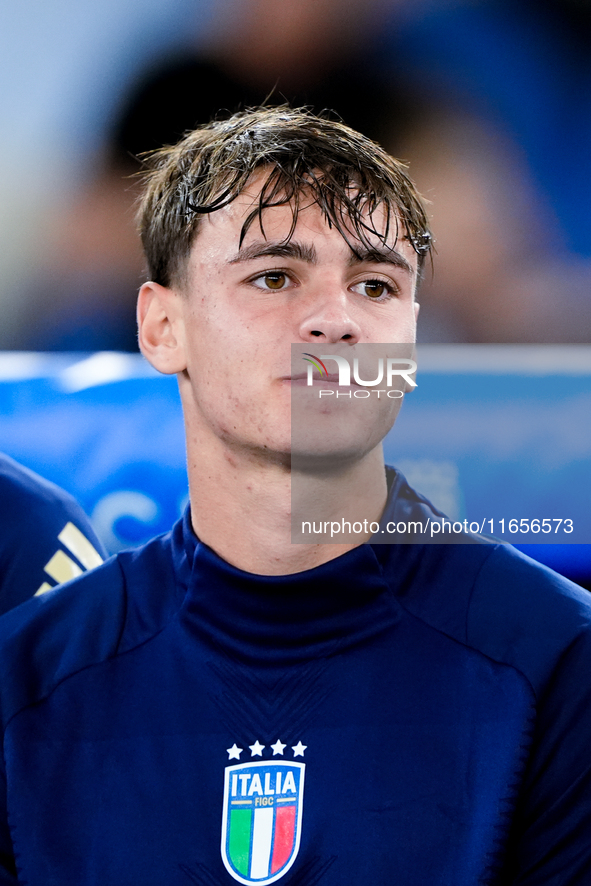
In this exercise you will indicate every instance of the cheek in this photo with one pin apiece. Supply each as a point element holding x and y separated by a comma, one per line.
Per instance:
<point>401,330</point>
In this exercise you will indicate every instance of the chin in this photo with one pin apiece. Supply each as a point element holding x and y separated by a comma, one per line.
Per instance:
<point>322,462</point>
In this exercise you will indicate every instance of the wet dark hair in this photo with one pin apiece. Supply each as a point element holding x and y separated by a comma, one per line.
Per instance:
<point>345,173</point>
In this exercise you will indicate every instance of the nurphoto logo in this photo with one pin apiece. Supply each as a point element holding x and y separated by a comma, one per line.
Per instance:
<point>386,372</point>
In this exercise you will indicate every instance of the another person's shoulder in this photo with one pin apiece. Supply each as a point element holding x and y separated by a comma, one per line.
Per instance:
<point>45,536</point>
<point>86,622</point>
<point>21,488</point>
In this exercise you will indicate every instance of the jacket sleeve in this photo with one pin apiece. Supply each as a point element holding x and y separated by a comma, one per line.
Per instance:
<point>550,844</point>
<point>533,619</point>
<point>7,863</point>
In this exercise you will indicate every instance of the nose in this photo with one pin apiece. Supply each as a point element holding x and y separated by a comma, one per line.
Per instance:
<point>328,319</point>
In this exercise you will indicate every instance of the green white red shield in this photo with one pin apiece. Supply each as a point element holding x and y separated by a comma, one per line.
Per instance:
<point>262,819</point>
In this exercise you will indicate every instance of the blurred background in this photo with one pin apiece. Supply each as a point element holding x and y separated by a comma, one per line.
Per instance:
<point>488,100</point>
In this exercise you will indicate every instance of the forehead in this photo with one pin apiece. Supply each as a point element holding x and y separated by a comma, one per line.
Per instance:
<point>243,221</point>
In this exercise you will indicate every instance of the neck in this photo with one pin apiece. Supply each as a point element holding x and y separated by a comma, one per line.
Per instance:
<point>241,505</point>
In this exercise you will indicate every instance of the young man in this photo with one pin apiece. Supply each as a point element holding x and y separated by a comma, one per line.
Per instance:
<point>225,706</point>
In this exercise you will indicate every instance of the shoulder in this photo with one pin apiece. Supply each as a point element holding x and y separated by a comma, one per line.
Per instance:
<point>492,598</point>
<point>526,614</point>
<point>498,602</point>
<point>85,622</point>
<point>45,537</point>
<point>22,489</point>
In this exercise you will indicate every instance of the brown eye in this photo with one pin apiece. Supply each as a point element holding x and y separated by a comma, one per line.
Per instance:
<point>375,288</point>
<point>276,280</point>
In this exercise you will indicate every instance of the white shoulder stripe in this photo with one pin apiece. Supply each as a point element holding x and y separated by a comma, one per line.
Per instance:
<point>78,544</point>
<point>62,568</point>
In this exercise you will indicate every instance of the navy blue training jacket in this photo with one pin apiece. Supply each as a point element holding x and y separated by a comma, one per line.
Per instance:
<point>45,536</point>
<point>404,715</point>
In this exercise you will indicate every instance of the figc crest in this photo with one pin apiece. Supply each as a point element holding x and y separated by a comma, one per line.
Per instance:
<point>262,819</point>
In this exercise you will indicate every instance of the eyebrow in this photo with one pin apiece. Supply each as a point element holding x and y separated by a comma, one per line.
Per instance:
<point>385,255</point>
<point>307,253</point>
<point>266,248</point>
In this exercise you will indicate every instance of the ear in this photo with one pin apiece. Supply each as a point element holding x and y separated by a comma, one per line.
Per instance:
<point>417,309</point>
<point>161,328</point>
<point>408,388</point>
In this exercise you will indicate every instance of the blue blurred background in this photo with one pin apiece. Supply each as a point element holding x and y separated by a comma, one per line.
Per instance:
<point>491,433</point>
<point>489,101</point>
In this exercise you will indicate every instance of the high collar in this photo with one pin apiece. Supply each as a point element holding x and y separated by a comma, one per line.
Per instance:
<point>279,619</point>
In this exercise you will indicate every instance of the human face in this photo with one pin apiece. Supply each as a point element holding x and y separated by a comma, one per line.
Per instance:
<point>243,308</point>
